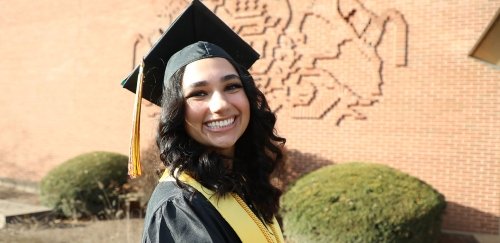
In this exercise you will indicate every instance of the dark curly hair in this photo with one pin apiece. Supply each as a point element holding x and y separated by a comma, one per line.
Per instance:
<point>257,152</point>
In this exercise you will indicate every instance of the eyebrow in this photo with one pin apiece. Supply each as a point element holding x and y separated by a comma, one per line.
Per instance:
<point>230,77</point>
<point>225,78</point>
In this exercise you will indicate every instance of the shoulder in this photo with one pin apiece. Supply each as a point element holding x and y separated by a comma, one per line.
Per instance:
<point>165,192</point>
<point>168,215</point>
<point>168,196</point>
<point>177,215</point>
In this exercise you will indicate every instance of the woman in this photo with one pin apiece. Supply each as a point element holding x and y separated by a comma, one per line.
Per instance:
<point>216,136</point>
<point>215,129</point>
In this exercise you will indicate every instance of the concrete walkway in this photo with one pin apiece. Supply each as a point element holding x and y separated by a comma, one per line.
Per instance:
<point>18,201</point>
<point>11,211</point>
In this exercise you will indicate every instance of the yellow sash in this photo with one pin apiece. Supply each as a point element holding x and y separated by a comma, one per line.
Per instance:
<point>235,211</point>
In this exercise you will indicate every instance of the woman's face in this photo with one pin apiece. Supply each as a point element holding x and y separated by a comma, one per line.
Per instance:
<point>217,109</point>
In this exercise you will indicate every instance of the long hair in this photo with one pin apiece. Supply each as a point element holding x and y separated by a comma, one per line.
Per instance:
<point>257,152</point>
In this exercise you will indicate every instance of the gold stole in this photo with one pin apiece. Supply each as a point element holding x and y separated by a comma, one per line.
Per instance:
<point>235,211</point>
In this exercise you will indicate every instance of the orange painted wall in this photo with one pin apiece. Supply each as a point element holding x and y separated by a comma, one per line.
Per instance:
<point>374,80</point>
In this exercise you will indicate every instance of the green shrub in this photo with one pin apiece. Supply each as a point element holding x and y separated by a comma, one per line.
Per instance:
<point>152,169</point>
<point>87,185</point>
<point>359,202</point>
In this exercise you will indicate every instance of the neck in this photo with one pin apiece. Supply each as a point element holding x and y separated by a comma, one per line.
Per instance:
<point>227,157</point>
<point>228,163</point>
<point>228,160</point>
<point>226,152</point>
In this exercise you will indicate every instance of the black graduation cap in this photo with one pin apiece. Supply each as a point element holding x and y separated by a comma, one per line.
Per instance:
<point>196,23</point>
<point>197,33</point>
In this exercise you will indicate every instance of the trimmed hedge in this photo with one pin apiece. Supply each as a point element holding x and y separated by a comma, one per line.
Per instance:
<point>87,185</point>
<point>152,169</point>
<point>358,202</point>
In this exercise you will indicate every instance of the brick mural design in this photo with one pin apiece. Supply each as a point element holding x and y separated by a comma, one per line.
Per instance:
<point>312,86</point>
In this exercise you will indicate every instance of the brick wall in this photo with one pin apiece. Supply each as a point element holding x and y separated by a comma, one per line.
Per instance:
<point>375,80</point>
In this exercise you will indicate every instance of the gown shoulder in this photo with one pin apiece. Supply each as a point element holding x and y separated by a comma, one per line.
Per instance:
<point>177,215</point>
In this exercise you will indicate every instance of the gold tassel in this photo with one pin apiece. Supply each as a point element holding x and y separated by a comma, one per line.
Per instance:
<point>134,162</point>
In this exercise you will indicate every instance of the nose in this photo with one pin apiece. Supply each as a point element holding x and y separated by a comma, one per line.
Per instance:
<point>218,102</point>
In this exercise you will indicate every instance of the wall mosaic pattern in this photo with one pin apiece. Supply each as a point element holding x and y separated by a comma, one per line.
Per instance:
<point>343,75</point>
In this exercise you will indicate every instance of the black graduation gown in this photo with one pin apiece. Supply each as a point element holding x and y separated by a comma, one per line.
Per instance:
<point>174,216</point>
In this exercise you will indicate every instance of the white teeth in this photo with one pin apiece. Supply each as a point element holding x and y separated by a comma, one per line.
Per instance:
<point>220,124</point>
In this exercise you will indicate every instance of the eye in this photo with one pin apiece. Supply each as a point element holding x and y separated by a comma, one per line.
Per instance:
<point>196,94</point>
<point>233,87</point>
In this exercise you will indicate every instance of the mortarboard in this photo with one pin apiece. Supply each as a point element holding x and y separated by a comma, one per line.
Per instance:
<point>196,23</point>
<point>196,34</point>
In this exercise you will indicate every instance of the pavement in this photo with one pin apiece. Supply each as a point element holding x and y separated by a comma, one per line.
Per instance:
<point>14,211</point>
<point>19,200</point>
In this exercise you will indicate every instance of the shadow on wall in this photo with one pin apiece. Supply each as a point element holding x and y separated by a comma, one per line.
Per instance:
<point>462,218</point>
<point>298,164</point>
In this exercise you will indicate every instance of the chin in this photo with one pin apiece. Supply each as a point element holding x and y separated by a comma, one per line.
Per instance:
<point>223,145</point>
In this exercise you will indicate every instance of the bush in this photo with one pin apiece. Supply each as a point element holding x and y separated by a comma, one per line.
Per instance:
<point>359,202</point>
<point>152,169</point>
<point>295,164</point>
<point>86,185</point>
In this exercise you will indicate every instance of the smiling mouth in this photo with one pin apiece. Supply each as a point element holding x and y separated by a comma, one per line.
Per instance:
<point>220,124</point>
